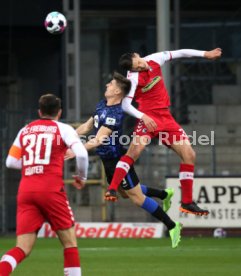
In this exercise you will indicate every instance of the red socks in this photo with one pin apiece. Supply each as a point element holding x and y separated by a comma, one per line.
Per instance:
<point>10,260</point>
<point>71,262</point>
<point>186,175</point>
<point>14,256</point>
<point>121,171</point>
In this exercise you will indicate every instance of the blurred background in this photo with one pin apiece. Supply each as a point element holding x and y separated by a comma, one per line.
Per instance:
<point>206,96</point>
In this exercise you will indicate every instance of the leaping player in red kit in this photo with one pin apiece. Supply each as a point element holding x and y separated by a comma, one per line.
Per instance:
<point>154,119</point>
<point>38,151</point>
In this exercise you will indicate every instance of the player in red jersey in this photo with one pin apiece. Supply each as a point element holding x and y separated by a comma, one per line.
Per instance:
<point>155,119</point>
<point>38,151</point>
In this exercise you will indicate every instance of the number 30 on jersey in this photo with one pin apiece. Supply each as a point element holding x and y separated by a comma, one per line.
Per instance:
<point>33,145</point>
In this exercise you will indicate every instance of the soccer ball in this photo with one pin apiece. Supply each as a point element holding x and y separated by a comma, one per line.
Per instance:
<point>219,233</point>
<point>55,23</point>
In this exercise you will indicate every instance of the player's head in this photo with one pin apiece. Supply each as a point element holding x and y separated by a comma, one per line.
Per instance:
<point>133,62</point>
<point>50,106</point>
<point>118,87</point>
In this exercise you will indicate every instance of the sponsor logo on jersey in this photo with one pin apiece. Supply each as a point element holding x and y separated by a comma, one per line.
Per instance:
<point>151,84</point>
<point>110,121</point>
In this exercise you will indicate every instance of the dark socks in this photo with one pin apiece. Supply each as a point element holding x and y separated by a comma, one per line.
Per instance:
<point>162,216</point>
<point>151,192</point>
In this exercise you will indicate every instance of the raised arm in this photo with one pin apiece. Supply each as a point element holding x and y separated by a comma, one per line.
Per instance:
<point>163,57</point>
<point>189,53</point>
<point>85,127</point>
<point>101,136</point>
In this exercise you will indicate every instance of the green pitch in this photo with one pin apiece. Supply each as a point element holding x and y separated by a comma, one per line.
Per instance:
<point>143,257</point>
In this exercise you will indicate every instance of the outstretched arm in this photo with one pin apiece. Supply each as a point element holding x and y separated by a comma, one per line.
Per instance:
<point>188,53</point>
<point>213,54</point>
<point>101,136</point>
<point>163,57</point>
<point>85,127</point>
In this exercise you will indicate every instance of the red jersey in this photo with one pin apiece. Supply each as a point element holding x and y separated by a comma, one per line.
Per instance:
<point>148,87</point>
<point>43,144</point>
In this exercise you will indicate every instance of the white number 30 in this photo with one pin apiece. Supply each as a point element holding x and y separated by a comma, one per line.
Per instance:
<point>31,140</point>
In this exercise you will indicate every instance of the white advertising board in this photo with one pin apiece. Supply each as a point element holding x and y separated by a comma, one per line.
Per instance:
<point>221,196</point>
<point>110,230</point>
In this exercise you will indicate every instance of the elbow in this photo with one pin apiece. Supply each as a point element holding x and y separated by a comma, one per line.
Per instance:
<point>8,163</point>
<point>83,155</point>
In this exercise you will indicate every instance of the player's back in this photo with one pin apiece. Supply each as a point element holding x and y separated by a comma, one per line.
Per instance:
<point>43,152</point>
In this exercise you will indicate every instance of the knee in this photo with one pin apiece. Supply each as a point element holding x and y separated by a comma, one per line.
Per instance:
<point>124,196</point>
<point>192,155</point>
<point>122,193</point>
<point>137,200</point>
<point>135,152</point>
<point>71,242</point>
<point>67,237</point>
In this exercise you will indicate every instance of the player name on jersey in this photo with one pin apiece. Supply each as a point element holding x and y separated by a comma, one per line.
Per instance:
<point>34,170</point>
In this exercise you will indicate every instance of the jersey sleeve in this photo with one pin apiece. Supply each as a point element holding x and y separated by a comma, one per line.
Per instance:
<point>133,77</point>
<point>187,53</point>
<point>68,134</point>
<point>161,58</point>
<point>14,158</point>
<point>126,102</point>
<point>16,148</point>
<point>72,140</point>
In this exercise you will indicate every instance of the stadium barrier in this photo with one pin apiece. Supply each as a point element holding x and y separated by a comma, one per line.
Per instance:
<point>220,195</point>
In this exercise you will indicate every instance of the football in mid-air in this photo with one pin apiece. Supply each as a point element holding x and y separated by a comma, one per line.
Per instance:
<point>55,22</point>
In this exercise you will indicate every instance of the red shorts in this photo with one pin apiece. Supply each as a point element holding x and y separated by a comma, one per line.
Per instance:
<point>34,208</point>
<point>168,131</point>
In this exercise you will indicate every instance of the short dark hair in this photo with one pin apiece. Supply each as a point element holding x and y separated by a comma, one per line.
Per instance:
<point>125,61</point>
<point>123,83</point>
<point>49,105</point>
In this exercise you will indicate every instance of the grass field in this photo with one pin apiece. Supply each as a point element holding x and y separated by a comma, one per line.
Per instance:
<point>133,257</point>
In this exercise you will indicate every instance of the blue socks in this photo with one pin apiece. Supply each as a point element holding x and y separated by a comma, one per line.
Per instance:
<point>149,205</point>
